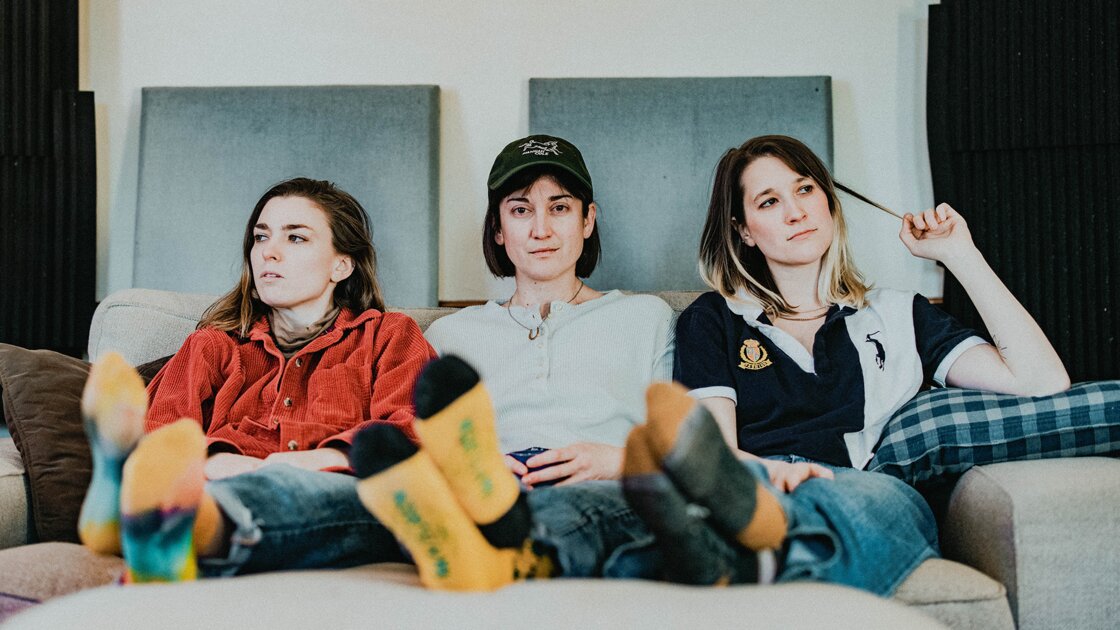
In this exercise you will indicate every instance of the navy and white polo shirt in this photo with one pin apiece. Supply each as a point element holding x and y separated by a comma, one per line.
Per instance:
<point>830,406</point>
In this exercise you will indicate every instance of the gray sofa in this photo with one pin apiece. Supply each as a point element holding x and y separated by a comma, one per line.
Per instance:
<point>1032,544</point>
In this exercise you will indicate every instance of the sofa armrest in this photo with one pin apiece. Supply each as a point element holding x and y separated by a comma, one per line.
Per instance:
<point>1047,530</point>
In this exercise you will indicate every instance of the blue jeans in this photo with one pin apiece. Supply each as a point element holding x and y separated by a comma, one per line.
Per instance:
<point>289,518</point>
<point>865,530</point>
<point>862,529</point>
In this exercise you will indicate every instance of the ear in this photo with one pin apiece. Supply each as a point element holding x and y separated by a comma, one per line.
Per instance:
<point>744,235</point>
<point>343,267</point>
<point>498,238</point>
<point>589,220</point>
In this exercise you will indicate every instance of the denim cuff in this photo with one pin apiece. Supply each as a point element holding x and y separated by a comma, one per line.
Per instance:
<point>246,533</point>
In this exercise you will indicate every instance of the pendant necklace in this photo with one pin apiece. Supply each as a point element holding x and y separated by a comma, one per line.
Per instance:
<point>535,331</point>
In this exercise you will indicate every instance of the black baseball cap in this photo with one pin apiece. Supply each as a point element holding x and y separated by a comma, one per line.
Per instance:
<point>537,150</point>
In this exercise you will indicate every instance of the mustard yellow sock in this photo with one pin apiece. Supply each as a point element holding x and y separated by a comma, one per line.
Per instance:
<point>402,487</point>
<point>113,406</point>
<point>161,489</point>
<point>456,427</point>
<point>685,438</point>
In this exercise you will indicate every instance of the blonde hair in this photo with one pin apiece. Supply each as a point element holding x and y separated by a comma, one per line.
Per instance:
<point>351,235</point>
<point>730,266</point>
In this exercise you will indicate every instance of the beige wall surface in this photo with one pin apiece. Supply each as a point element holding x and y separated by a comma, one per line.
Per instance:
<point>482,54</point>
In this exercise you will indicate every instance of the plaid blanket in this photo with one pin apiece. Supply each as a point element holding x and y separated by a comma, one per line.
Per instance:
<point>944,432</point>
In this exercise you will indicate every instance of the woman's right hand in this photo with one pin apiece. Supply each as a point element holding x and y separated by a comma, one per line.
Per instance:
<point>515,466</point>
<point>222,465</point>
<point>786,476</point>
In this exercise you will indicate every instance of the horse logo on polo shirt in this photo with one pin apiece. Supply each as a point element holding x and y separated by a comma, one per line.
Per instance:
<point>754,356</point>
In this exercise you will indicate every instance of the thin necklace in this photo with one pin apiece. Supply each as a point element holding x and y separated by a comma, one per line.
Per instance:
<point>536,331</point>
<point>807,318</point>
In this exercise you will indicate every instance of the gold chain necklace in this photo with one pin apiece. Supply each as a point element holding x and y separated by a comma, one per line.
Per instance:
<point>536,331</point>
<point>807,318</point>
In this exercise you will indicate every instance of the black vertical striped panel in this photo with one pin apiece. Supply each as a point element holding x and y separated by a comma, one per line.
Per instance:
<point>47,185</point>
<point>1024,135</point>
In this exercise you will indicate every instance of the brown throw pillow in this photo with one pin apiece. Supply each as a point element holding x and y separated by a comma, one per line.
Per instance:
<point>42,392</point>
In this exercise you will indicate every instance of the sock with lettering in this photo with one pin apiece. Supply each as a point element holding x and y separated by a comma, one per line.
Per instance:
<point>405,490</point>
<point>455,422</point>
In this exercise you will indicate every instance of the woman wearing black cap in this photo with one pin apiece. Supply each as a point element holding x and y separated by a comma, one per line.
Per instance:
<point>567,367</point>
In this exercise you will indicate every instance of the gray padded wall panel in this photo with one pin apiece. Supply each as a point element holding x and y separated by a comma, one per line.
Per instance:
<point>652,145</point>
<point>207,154</point>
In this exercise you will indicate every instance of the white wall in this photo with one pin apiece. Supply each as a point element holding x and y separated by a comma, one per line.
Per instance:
<point>482,54</point>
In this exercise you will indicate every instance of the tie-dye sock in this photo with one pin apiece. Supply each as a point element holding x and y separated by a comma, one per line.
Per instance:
<point>161,489</point>
<point>113,406</point>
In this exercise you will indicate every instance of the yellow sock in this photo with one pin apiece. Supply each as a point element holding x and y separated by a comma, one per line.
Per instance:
<point>414,501</point>
<point>462,441</point>
<point>113,406</point>
<point>161,489</point>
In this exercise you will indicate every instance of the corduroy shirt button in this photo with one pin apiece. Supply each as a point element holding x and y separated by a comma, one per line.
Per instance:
<point>292,445</point>
<point>288,402</point>
<point>299,362</point>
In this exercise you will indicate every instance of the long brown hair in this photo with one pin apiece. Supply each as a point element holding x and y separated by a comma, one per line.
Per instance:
<point>728,265</point>
<point>351,235</point>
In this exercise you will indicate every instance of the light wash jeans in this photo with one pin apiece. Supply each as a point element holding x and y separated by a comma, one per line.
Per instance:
<point>862,529</point>
<point>865,530</point>
<point>289,518</point>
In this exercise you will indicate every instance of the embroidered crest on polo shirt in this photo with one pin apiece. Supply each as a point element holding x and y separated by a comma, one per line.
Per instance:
<point>754,356</point>
<point>533,147</point>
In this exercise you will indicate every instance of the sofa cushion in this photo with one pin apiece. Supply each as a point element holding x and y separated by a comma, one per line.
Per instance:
<point>957,595</point>
<point>42,392</point>
<point>34,573</point>
<point>389,596</point>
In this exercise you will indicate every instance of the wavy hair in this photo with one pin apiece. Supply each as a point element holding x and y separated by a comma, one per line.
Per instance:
<point>351,235</point>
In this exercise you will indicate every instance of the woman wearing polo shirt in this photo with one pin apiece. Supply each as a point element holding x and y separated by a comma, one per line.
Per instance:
<point>284,369</point>
<point>798,364</point>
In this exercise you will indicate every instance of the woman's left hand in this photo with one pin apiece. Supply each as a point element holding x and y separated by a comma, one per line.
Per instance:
<point>939,234</point>
<point>315,459</point>
<point>577,462</point>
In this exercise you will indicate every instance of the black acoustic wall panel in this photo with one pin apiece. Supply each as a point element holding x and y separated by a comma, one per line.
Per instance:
<point>1023,102</point>
<point>47,179</point>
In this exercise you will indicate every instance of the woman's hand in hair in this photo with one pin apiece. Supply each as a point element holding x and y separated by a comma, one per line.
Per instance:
<point>222,465</point>
<point>578,462</point>
<point>940,234</point>
<point>786,476</point>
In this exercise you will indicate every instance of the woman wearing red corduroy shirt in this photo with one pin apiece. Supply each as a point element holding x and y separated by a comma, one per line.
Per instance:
<point>284,369</point>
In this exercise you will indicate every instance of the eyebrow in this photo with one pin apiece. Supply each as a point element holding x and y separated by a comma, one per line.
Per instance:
<point>285,228</point>
<point>771,190</point>
<point>552,198</point>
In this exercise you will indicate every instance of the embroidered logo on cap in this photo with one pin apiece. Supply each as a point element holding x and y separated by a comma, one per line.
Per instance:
<point>533,147</point>
<point>754,356</point>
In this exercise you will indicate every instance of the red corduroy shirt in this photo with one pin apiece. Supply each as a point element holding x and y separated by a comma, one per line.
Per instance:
<point>250,400</point>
